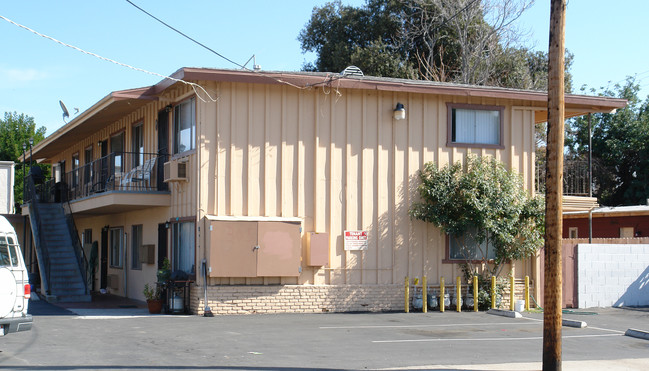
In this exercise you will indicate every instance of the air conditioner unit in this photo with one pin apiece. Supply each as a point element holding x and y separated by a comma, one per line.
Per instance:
<point>175,171</point>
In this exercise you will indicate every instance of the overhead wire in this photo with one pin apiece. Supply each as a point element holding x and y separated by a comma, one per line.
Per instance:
<point>193,85</point>
<point>212,50</point>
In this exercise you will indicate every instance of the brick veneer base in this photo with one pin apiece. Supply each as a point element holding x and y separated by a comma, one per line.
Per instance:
<point>298,299</point>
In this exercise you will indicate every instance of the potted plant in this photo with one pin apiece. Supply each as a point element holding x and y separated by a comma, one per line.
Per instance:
<point>153,300</point>
<point>165,273</point>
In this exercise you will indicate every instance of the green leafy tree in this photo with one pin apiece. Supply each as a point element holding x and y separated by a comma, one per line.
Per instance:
<point>483,204</point>
<point>463,41</point>
<point>620,147</point>
<point>16,130</point>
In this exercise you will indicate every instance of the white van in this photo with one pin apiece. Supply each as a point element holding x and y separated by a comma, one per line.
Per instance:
<point>14,283</point>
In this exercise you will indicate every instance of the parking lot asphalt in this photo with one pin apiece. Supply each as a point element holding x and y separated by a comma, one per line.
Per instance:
<point>130,338</point>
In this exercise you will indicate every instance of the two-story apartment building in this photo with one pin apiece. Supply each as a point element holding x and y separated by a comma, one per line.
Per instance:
<point>279,191</point>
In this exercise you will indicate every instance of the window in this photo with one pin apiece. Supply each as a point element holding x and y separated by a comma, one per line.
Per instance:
<point>475,126</point>
<point>117,149</point>
<point>626,232</point>
<point>8,252</point>
<point>465,248</point>
<point>185,126</point>
<point>116,247</point>
<point>136,244</point>
<point>87,168</point>
<point>573,232</point>
<point>137,145</point>
<point>75,169</point>
<point>182,237</point>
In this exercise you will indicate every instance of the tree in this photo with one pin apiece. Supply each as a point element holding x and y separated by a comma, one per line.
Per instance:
<point>463,41</point>
<point>620,147</point>
<point>16,129</point>
<point>484,206</point>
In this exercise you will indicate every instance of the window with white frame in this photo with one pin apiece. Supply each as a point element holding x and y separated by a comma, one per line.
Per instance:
<point>466,248</point>
<point>472,125</point>
<point>183,246</point>
<point>116,247</point>
<point>184,135</point>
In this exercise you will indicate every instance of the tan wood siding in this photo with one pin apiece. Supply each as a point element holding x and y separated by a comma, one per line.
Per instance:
<point>337,159</point>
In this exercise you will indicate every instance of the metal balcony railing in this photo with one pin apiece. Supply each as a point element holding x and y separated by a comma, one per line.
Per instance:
<point>575,178</point>
<point>119,171</point>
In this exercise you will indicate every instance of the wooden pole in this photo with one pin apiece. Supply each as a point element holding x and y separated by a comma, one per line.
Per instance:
<point>554,189</point>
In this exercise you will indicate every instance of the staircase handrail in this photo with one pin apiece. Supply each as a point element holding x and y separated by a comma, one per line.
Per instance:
<point>82,260</point>
<point>41,253</point>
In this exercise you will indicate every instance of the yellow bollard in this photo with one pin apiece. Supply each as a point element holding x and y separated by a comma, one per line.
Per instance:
<point>458,294</point>
<point>475,293</point>
<point>527,293</point>
<point>511,293</point>
<point>407,295</point>
<point>441,294</point>
<point>493,292</point>
<point>424,292</point>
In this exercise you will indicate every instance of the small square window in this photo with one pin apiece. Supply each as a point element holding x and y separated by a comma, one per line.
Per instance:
<point>475,126</point>
<point>573,232</point>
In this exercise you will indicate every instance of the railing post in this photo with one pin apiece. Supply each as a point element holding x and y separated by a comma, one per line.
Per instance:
<point>441,295</point>
<point>424,289</point>
<point>407,294</point>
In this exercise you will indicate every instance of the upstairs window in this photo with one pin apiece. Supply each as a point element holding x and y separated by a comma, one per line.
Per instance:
<point>137,144</point>
<point>185,126</point>
<point>475,126</point>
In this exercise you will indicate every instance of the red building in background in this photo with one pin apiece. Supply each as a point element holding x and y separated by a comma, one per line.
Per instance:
<point>608,222</point>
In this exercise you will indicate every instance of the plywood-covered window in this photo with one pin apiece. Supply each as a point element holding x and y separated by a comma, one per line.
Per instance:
<point>255,249</point>
<point>471,125</point>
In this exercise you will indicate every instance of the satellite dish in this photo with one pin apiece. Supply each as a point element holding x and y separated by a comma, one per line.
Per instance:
<point>65,111</point>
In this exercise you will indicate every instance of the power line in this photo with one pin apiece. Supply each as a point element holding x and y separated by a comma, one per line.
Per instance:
<point>193,85</point>
<point>183,34</point>
<point>212,50</point>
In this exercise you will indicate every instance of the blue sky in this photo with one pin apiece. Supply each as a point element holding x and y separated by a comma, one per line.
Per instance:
<point>35,73</point>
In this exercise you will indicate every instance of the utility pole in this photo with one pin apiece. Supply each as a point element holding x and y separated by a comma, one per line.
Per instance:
<point>554,189</point>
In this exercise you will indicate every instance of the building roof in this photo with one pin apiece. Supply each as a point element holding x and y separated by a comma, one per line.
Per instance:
<point>617,211</point>
<point>120,103</point>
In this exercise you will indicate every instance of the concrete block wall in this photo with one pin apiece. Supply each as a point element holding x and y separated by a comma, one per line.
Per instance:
<point>613,275</point>
<point>298,299</point>
<point>245,299</point>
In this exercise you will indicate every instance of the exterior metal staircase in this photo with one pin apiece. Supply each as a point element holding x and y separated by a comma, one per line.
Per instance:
<point>61,261</point>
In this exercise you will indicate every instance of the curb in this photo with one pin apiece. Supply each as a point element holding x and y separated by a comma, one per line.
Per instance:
<point>505,313</point>
<point>573,323</point>
<point>640,334</point>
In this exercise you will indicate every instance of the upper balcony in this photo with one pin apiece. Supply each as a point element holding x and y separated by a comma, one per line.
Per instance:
<point>576,192</point>
<point>118,182</point>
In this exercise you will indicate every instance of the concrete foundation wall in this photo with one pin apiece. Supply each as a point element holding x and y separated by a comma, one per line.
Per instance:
<point>613,275</point>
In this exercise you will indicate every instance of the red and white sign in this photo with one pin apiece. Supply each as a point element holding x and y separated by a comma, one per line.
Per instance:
<point>355,240</point>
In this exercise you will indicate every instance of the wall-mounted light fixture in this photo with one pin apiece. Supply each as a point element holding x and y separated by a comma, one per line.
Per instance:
<point>399,112</point>
<point>166,225</point>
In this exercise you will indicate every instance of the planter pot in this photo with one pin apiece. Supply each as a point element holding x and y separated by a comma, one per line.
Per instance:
<point>155,306</point>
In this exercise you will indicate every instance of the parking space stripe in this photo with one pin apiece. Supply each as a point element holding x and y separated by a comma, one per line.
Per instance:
<point>488,339</point>
<point>420,326</point>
